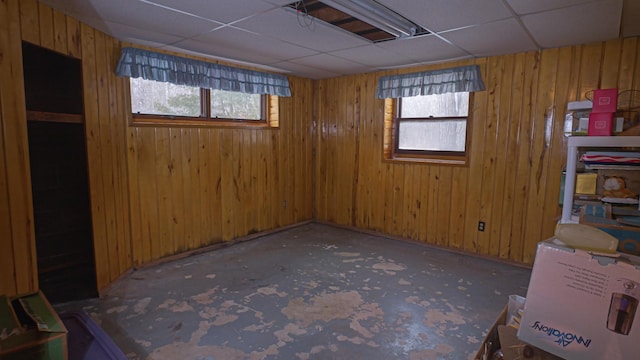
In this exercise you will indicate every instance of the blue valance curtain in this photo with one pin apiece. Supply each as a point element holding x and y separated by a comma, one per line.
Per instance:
<point>458,79</point>
<point>151,65</point>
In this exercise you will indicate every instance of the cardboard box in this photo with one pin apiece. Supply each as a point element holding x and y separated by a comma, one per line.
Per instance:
<point>582,306</point>
<point>502,339</point>
<point>600,124</point>
<point>31,329</point>
<point>605,100</point>
<point>491,342</point>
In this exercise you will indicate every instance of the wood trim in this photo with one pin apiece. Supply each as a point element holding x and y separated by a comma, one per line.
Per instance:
<point>273,111</point>
<point>15,155</point>
<point>55,117</point>
<point>426,246</point>
<point>174,121</point>
<point>390,141</point>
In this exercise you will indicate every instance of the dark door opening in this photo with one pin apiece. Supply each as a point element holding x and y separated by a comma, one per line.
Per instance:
<point>59,175</point>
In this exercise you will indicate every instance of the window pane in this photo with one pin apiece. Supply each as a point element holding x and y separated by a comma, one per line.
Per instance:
<point>441,105</point>
<point>432,135</point>
<point>236,105</point>
<point>160,98</point>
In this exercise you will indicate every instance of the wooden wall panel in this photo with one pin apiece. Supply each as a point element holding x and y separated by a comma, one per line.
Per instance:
<point>89,81</point>
<point>14,156</point>
<point>517,153</point>
<point>29,22</point>
<point>105,128</point>
<point>475,167</point>
<point>45,18</point>
<point>202,186</point>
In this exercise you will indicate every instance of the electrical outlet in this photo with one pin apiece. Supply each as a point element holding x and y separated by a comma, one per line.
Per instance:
<point>481,226</point>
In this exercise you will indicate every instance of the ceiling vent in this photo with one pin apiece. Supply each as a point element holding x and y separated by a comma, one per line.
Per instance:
<point>366,18</point>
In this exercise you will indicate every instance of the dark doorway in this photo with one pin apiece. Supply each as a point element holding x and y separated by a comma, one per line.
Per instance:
<point>59,175</point>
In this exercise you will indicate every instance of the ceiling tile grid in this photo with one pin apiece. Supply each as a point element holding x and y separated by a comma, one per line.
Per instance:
<point>496,38</point>
<point>264,34</point>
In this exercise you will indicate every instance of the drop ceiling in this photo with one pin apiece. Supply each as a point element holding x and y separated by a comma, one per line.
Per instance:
<point>268,35</point>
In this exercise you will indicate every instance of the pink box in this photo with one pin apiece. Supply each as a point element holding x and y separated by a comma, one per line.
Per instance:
<point>605,100</point>
<point>600,124</point>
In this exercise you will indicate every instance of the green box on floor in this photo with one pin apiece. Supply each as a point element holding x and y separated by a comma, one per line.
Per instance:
<point>31,329</point>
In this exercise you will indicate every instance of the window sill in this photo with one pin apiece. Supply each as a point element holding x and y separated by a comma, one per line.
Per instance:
<point>452,161</point>
<point>169,121</point>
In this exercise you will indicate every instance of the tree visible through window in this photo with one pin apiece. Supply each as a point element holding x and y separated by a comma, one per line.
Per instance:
<point>235,105</point>
<point>165,99</point>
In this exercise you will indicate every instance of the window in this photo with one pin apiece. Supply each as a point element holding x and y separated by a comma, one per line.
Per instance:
<point>426,114</point>
<point>189,102</point>
<point>430,128</point>
<point>169,102</point>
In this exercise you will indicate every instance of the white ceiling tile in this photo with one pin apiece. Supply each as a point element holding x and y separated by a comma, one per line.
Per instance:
<point>336,64</point>
<point>231,39</point>
<point>290,28</point>
<point>441,15</point>
<point>147,16</point>
<point>306,71</point>
<point>226,60</point>
<point>424,48</point>
<point>211,9</point>
<point>232,53</point>
<point>500,37</point>
<point>527,6</point>
<point>275,35</point>
<point>135,35</point>
<point>279,2</point>
<point>597,21</point>
<point>373,55</point>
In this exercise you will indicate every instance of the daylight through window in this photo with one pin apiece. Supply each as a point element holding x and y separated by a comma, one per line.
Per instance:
<point>429,128</point>
<point>433,123</point>
<point>164,99</point>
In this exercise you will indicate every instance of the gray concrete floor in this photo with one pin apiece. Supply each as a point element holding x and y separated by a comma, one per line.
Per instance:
<point>309,292</point>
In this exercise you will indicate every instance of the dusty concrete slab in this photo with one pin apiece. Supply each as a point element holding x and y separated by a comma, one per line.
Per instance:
<point>310,292</point>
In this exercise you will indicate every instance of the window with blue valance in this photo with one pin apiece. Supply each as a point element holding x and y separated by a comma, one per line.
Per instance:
<point>458,79</point>
<point>149,65</point>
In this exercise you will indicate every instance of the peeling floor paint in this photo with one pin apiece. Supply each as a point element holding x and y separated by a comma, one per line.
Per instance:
<point>310,292</point>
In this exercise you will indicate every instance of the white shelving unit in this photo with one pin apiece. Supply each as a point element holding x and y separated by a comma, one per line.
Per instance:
<point>576,142</point>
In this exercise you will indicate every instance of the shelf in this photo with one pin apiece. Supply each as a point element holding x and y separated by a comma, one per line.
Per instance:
<point>54,117</point>
<point>604,141</point>
<point>612,167</point>
<point>575,142</point>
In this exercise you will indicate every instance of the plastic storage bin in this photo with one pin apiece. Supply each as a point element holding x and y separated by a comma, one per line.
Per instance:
<point>86,340</point>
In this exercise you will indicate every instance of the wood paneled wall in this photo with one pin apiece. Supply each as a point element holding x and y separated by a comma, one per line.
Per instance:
<point>105,126</point>
<point>193,187</point>
<point>154,191</point>
<point>518,151</point>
